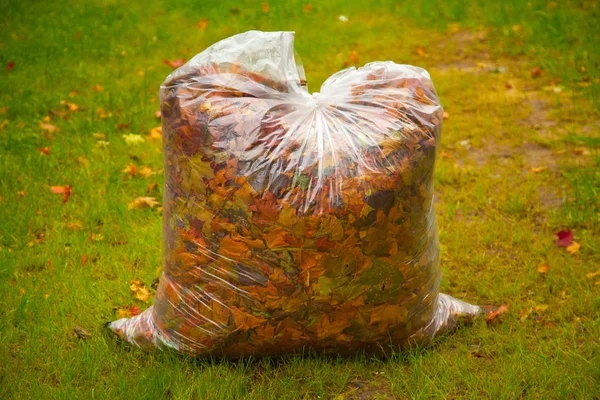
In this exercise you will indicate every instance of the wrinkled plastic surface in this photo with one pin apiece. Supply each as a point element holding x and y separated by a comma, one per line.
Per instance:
<point>296,220</point>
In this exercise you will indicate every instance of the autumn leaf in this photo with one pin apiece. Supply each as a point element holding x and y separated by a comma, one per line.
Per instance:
<point>203,24</point>
<point>565,238</point>
<point>143,202</point>
<point>307,8</point>
<point>573,248</point>
<point>157,114</point>
<point>128,312</point>
<point>44,150</point>
<point>73,93</point>
<point>156,133</point>
<point>84,259</point>
<point>130,169</point>
<point>354,57</point>
<point>543,268</point>
<point>139,290</point>
<point>494,314</point>
<point>535,72</point>
<point>591,275</point>
<point>97,88</point>
<point>49,127</point>
<point>132,139</point>
<point>265,7</point>
<point>64,190</point>
<point>175,63</point>
<point>10,66</point>
<point>538,169</point>
<point>146,172</point>
<point>152,187</point>
<point>420,51</point>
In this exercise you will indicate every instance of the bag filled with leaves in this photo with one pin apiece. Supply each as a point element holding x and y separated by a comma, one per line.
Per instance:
<point>296,220</point>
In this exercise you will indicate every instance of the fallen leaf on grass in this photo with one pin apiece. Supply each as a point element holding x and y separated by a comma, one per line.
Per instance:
<point>131,169</point>
<point>139,290</point>
<point>354,57</point>
<point>535,72</point>
<point>565,238</point>
<point>143,202</point>
<point>71,106</point>
<point>420,51</point>
<point>573,248</point>
<point>543,269</point>
<point>10,66</point>
<point>84,259</point>
<point>97,88</point>
<point>203,24</point>
<point>96,237</point>
<point>64,190</point>
<point>592,274</point>
<point>152,187</point>
<point>478,354</point>
<point>175,63</point>
<point>582,151</point>
<point>494,314</point>
<point>307,8</point>
<point>445,115</point>
<point>73,93</point>
<point>157,114</point>
<point>128,312</point>
<point>265,7</point>
<point>44,150</point>
<point>156,133</point>
<point>146,172</point>
<point>538,169</point>
<point>75,226</point>
<point>49,128</point>
<point>81,333</point>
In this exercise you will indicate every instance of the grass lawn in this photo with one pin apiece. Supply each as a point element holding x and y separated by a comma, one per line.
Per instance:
<point>520,82</point>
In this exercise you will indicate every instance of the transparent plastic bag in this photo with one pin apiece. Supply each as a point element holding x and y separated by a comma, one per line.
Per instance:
<point>296,220</point>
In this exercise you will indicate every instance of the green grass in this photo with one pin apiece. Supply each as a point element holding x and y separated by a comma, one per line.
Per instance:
<point>497,218</point>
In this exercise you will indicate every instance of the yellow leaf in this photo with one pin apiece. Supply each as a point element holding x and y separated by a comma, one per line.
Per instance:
<point>541,308</point>
<point>573,248</point>
<point>156,133</point>
<point>146,172</point>
<point>538,169</point>
<point>593,274</point>
<point>97,88</point>
<point>143,202</point>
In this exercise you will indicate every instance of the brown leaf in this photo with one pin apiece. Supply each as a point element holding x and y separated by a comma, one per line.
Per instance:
<point>538,169</point>
<point>143,202</point>
<point>84,259</point>
<point>152,187</point>
<point>535,72</point>
<point>492,315</point>
<point>421,52</point>
<point>97,88</point>
<point>81,333</point>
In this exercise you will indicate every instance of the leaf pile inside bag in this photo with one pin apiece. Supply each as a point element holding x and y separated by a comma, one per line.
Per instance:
<point>296,220</point>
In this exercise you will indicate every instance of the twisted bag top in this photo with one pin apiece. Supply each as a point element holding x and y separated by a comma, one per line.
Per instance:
<point>291,219</point>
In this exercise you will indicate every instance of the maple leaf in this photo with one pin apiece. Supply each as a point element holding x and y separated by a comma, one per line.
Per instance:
<point>10,66</point>
<point>49,127</point>
<point>565,238</point>
<point>203,24</point>
<point>64,190</point>
<point>175,63</point>
<point>143,202</point>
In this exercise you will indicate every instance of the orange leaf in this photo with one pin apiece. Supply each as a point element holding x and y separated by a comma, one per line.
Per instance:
<point>44,150</point>
<point>203,24</point>
<point>573,248</point>
<point>156,133</point>
<point>265,7</point>
<point>175,63</point>
<point>143,202</point>
<point>492,315</point>
<point>543,269</point>
<point>64,190</point>
<point>84,259</point>
<point>307,8</point>
<point>537,71</point>
<point>97,88</point>
<point>354,57</point>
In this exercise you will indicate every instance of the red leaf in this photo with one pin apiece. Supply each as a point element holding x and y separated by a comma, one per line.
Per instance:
<point>83,259</point>
<point>134,310</point>
<point>537,71</point>
<point>175,63</point>
<point>44,150</point>
<point>565,238</point>
<point>10,66</point>
<point>324,244</point>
